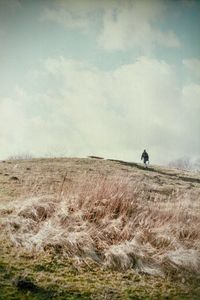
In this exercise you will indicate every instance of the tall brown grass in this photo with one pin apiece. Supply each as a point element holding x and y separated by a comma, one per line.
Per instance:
<point>110,220</point>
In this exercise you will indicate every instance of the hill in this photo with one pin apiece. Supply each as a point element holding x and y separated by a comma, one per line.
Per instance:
<point>91,228</point>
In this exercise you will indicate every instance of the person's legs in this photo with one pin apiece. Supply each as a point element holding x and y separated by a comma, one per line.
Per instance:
<point>145,162</point>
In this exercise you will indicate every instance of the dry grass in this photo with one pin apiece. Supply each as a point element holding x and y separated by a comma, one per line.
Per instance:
<point>112,221</point>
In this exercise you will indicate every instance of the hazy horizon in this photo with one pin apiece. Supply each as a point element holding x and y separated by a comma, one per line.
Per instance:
<point>106,78</point>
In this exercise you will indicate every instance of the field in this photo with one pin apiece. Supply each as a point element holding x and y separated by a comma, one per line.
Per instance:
<point>91,228</point>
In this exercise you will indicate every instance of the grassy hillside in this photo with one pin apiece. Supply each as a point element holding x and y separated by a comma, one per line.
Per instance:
<point>98,229</point>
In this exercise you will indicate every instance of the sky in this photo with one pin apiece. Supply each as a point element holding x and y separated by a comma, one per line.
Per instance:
<point>108,78</point>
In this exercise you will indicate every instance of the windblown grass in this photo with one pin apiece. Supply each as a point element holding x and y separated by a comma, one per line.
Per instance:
<point>111,221</point>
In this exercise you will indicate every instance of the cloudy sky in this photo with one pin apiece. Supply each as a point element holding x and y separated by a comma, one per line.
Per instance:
<point>107,78</point>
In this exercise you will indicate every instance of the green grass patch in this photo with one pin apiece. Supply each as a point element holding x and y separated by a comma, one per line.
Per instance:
<point>56,277</point>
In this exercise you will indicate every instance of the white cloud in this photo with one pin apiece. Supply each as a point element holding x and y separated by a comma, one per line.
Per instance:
<point>66,18</point>
<point>193,65</point>
<point>81,111</point>
<point>131,25</point>
<point>125,24</point>
<point>73,14</point>
<point>13,124</point>
<point>190,118</point>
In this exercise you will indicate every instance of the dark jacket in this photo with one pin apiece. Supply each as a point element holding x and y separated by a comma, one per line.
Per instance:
<point>145,156</point>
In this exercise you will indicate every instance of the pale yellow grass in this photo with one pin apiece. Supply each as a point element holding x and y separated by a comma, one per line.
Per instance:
<point>110,220</point>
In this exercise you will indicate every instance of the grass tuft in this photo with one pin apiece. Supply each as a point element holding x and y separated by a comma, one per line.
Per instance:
<point>111,221</point>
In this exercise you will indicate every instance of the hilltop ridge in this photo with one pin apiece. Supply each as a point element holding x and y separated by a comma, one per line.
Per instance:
<point>18,177</point>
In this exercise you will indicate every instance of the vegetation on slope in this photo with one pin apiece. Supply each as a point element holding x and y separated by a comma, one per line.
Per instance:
<point>99,229</point>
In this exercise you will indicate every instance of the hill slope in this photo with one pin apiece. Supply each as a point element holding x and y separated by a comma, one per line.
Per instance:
<point>106,214</point>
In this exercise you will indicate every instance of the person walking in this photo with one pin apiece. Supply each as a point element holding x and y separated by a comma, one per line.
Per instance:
<point>145,157</point>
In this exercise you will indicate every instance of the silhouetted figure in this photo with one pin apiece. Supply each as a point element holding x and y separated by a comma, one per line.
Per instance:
<point>145,157</point>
